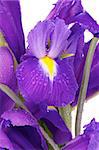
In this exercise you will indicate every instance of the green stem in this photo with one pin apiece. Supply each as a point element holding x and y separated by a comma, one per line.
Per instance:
<point>13,96</point>
<point>50,141</point>
<point>84,85</point>
<point>65,112</point>
<point>17,100</point>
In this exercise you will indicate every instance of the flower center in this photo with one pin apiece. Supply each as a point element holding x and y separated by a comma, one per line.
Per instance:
<point>49,66</point>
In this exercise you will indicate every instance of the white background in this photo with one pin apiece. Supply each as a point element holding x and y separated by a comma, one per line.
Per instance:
<point>36,10</point>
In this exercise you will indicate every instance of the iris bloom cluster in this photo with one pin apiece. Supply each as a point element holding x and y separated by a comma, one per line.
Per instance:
<point>45,76</point>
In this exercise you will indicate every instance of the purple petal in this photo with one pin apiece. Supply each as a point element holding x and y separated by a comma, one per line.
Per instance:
<point>36,86</point>
<point>38,37</point>
<point>89,140</point>
<point>75,39</point>
<point>66,9</point>
<point>56,125</point>
<point>21,128</point>
<point>59,39</point>
<point>93,85</point>
<point>10,25</point>
<point>38,110</point>
<point>23,138</point>
<point>80,143</point>
<point>4,141</point>
<point>72,12</point>
<point>19,118</point>
<point>7,76</point>
<point>87,22</point>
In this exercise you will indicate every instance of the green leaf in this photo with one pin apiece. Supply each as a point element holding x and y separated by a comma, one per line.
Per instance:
<point>65,113</point>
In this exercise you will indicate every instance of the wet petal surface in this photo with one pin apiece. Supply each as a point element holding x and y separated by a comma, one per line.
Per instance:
<point>36,86</point>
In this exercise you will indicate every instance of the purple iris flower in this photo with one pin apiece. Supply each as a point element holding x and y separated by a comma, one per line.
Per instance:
<point>11,26</point>
<point>72,12</point>
<point>18,130</point>
<point>89,140</point>
<point>43,76</point>
<point>7,77</point>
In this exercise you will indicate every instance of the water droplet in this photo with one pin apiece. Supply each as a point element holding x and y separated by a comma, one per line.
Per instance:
<point>33,71</point>
<point>63,104</point>
<point>33,82</point>
<point>67,81</point>
<point>47,110</point>
<point>47,75</point>
<point>82,55</point>
<point>59,81</point>
<point>36,75</point>
<point>20,69</point>
<point>45,84</point>
<point>11,66</point>
<point>23,78</point>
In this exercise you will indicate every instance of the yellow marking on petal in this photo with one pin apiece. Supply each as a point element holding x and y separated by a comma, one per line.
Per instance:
<point>51,108</point>
<point>66,55</point>
<point>3,43</point>
<point>49,65</point>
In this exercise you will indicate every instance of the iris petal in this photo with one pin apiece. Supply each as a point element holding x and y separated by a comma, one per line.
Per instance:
<point>56,125</point>
<point>36,86</point>
<point>72,12</point>
<point>59,38</point>
<point>4,141</point>
<point>89,140</point>
<point>87,22</point>
<point>19,118</point>
<point>66,9</point>
<point>11,26</point>
<point>7,76</point>
<point>20,129</point>
<point>38,38</point>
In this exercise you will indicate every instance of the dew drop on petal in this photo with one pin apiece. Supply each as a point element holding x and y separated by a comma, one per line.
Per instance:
<point>47,110</point>
<point>11,66</point>
<point>82,55</point>
<point>33,82</point>
<point>63,104</point>
<point>45,84</point>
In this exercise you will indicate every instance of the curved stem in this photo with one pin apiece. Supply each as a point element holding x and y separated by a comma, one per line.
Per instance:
<point>50,141</point>
<point>13,96</point>
<point>84,85</point>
